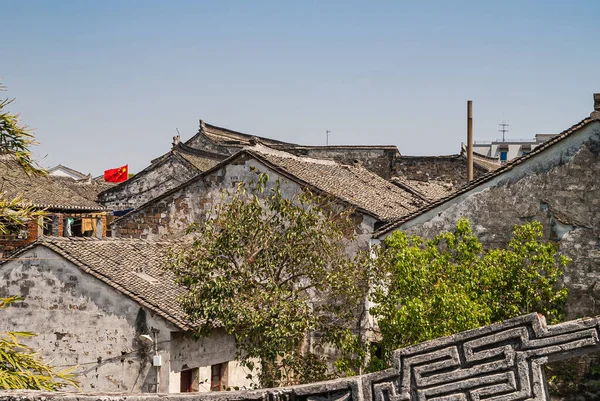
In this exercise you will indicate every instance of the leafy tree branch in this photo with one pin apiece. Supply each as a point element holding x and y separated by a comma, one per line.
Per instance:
<point>273,272</point>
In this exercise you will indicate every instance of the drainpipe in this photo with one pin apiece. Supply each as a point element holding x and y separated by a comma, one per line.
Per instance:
<point>156,360</point>
<point>469,140</point>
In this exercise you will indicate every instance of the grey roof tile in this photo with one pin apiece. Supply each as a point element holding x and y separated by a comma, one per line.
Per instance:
<point>133,267</point>
<point>352,184</point>
<point>46,191</point>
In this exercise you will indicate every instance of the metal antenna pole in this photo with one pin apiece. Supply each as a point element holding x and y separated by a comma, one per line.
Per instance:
<point>327,132</point>
<point>469,140</point>
<point>504,129</point>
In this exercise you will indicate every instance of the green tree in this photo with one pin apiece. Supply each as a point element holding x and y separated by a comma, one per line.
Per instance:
<point>15,142</point>
<point>430,289</point>
<point>15,138</point>
<point>20,367</point>
<point>271,271</point>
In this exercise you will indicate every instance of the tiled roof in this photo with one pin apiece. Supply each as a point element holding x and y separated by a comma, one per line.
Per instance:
<point>88,189</point>
<point>44,191</point>
<point>201,163</point>
<point>230,138</point>
<point>78,174</point>
<point>352,184</point>
<point>491,175</point>
<point>430,190</point>
<point>200,159</point>
<point>487,162</point>
<point>131,266</point>
<point>196,159</point>
<point>226,136</point>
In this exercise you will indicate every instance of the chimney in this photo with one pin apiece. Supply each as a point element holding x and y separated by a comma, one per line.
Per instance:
<point>469,140</point>
<point>176,140</point>
<point>596,112</point>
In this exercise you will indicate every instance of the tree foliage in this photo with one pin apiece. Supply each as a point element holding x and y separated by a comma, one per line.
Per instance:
<point>271,270</point>
<point>429,289</point>
<point>15,138</point>
<point>16,141</point>
<point>21,367</point>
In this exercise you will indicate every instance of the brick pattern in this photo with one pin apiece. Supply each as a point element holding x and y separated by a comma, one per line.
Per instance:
<point>451,169</point>
<point>10,243</point>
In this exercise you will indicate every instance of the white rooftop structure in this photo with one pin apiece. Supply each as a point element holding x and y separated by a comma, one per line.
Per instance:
<point>508,149</point>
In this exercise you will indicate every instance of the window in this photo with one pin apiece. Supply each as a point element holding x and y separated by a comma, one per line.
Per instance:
<point>79,226</point>
<point>48,225</point>
<point>188,380</point>
<point>218,377</point>
<point>503,156</point>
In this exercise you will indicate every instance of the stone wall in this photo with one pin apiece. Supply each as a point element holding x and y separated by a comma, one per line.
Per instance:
<point>377,160</point>
<point>153,181</point>
<point>442,168</point>
<point>83,322</point>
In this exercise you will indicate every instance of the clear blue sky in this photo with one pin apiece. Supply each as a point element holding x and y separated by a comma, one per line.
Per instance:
<point>105,83</point>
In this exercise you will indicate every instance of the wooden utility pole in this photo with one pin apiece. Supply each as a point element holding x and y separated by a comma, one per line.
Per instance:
<point>469,140</point>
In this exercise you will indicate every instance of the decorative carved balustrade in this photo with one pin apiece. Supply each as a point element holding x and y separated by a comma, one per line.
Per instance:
<point>500,362</point>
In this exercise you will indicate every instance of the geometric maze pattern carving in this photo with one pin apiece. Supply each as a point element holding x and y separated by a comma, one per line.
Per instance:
<point>500,362</point>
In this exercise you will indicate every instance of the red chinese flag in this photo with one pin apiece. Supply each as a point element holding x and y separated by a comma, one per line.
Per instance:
<point>116,174</point>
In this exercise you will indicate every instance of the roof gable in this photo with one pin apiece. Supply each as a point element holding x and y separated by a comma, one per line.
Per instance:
<point>130,266</point>
<point>64,171</point>
<point>191,161</point>
<point>352,185</point>
<point>226,139</point>
<point>492,175</point>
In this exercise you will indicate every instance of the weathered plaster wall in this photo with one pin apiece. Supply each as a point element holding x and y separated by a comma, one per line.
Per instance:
<point>189,353</point>
<point>560,188</point>
<point>82,321</point>
<point>171,215</point>
<point>154,181</point>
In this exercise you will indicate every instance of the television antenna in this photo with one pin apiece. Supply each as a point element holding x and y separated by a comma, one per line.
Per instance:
<point>504,129</point>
